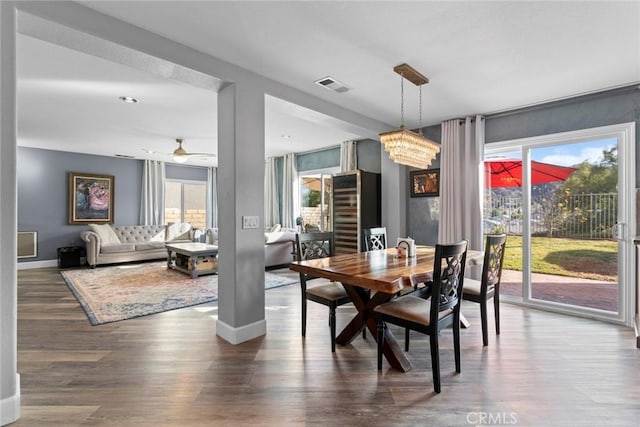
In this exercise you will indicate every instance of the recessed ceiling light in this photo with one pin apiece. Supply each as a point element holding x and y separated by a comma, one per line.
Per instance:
<point>128,99</point>
<point>285,136</point>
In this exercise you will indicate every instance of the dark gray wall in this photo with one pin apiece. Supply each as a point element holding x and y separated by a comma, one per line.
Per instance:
<point>186,172</point>
<point>423,213</point>
<point>368,157</point>
<point>599,109</point>
<point>320,159</point>
<point>43,203</point>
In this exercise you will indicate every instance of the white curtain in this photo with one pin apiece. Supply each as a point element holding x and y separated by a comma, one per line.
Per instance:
<point>152,200</point>
<point>290,206</point>
<point>348,156</point>
<point>212,197</point>
<point>461,181</point>
<point>271,205</point>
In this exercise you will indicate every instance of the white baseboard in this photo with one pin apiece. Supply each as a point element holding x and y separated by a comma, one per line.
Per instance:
<point>10,406</point>
<point>37,264</point>
<point>242,334</point>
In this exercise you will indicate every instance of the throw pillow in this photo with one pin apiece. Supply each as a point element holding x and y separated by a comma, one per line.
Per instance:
<point>275,228</point>
<point>279,236</point>
<point>158,237</point>
<point>106,233</point>
<point>178,231</point>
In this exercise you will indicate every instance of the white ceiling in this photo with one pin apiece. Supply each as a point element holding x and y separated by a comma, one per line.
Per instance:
<point>480,57</point>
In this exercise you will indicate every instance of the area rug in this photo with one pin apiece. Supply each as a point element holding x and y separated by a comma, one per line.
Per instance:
<point>110,294</point>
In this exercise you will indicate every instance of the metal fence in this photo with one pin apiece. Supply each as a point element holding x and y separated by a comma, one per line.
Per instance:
<point>583,216</point>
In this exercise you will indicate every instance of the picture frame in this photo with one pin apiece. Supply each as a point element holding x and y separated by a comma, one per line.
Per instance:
<point>425,183</point>
<point>91,198</point>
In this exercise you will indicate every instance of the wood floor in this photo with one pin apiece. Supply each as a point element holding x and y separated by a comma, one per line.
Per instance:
<point>171,369</point>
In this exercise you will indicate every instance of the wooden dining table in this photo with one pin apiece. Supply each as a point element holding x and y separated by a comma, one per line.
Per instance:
<point>385,275</point>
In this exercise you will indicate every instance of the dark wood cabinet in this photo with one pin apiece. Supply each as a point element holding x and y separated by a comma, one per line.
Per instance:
<point>356,205</point>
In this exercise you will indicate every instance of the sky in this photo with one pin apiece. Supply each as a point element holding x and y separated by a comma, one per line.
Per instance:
<point>568,154</point>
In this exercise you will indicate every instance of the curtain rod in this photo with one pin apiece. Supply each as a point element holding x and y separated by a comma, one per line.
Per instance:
<point>462,119</point>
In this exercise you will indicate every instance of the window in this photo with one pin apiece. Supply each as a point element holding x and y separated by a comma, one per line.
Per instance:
<point>315,199</point>
<point>185,201</point>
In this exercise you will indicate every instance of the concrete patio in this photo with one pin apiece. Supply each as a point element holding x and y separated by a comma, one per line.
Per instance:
<point>568,290</point>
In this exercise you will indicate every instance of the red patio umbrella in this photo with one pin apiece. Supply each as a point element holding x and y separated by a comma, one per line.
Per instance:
<point>508,173</point>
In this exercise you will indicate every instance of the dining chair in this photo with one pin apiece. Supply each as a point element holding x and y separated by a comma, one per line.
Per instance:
<point>313,246</point>
<point>480,291</point>
<point>375,238</point>
<point>429,313</point>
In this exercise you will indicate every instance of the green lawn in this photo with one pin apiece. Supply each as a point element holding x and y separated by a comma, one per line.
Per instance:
<point>588,259</point>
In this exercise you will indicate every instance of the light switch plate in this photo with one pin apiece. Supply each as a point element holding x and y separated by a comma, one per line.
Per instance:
<point>249,222</point>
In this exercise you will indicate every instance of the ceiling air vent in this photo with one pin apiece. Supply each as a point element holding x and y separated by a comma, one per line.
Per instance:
<point>332,84</point>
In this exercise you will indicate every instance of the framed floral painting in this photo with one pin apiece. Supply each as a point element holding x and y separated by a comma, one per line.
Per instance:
<point>90,198</point>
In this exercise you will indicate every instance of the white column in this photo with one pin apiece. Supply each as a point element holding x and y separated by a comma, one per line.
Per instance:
<point>241,194</point>
<point>9,378</point>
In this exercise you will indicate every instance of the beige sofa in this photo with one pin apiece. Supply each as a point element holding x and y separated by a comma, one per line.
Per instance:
<point>109,244</point>
<point>278,245</point>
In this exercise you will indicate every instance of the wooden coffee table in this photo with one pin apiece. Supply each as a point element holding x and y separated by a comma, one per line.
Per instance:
<point>195,259</point>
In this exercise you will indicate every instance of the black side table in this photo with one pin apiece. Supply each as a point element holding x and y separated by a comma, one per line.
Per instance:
<point>69,256</point>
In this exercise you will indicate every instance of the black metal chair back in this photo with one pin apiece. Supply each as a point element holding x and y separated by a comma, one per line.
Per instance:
<point>489,284</point>
<point>314,245</point>
<point>448,278</point>
<point>375,238</point>
<point>493,259</point>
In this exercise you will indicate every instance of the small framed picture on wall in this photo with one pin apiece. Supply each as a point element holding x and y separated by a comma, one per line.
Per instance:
<point>90,198</point>
<point>425,183</point>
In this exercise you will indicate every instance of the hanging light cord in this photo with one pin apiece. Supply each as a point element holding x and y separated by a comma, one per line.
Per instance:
<point>420,112</point>
<point>401,99</point>
<point>402,104</point>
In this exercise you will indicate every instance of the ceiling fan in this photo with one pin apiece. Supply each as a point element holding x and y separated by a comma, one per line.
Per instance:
<point>180,155</point>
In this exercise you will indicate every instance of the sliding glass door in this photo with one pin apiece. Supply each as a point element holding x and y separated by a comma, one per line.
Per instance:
<point>315,197</point>
<point>573,247</point>
<point>565,201</point>
<point>185,201</point>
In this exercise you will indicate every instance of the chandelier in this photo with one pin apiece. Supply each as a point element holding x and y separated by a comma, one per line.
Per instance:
<point>403,145</point>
